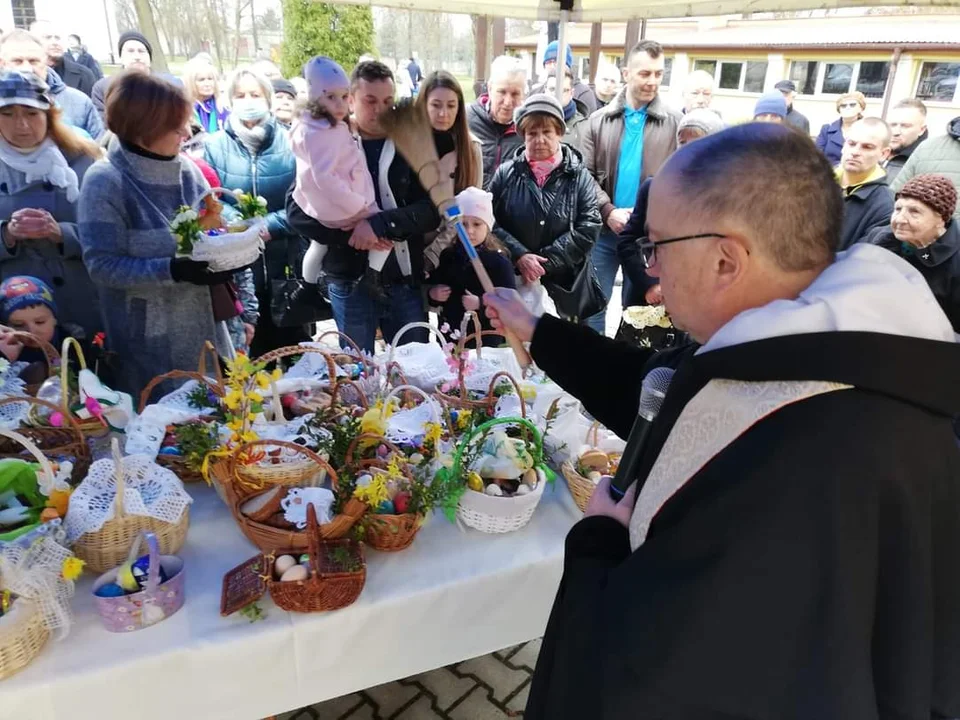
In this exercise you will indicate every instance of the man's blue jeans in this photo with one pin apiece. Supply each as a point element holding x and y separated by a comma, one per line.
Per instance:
<point>358,314</point>
<point>605,260</point>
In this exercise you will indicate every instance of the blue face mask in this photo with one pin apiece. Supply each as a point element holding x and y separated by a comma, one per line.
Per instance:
<point>250,109</point>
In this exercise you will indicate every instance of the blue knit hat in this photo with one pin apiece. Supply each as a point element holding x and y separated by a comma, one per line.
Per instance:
<point>23,291</point>
<point>551,54</point>
<point>771,103</point>
<point>18,88</point>
<point>322,74</point>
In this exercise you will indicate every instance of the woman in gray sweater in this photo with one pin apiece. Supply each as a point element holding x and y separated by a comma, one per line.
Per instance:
<point>156,306</point>
<point>42,164</point>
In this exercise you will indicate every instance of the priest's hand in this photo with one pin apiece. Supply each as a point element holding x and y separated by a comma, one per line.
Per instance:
<point>506,309</point>
<point>602,504</point>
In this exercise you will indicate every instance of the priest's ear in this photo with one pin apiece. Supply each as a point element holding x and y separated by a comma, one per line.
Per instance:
<point>732,261</point>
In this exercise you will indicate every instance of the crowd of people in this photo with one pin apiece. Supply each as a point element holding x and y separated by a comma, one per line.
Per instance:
<point>94,168</point>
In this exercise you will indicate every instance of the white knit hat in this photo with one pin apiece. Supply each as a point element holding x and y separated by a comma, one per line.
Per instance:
<point>476,203</point>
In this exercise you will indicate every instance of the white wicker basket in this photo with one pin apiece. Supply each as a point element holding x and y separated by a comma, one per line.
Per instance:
<point>491,514</point>
<point>230,251</point>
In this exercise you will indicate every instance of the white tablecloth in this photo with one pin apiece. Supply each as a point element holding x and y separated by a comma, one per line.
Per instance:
<point>454,594</point>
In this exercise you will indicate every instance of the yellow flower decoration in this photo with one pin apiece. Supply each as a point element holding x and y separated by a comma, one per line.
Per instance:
<point>393,468</point>
<point>374,493</point>
<point>463,419</point>
<point>433,433</point>
<point>72,568</point>
<point>276,374</point>
<point>372,421</point>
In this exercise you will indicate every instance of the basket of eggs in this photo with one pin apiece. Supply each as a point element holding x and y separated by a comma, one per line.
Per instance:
<point>202,234</point>
<point>583,474</point>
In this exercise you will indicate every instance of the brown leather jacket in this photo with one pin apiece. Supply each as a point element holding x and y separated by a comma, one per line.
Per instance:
<point>600,144</point>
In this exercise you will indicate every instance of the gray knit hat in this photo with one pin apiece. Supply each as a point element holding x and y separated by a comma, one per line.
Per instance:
<point>543,104</point>
<point>703,119</point>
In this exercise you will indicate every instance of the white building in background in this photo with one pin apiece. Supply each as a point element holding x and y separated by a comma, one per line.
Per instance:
<point>95,21</point>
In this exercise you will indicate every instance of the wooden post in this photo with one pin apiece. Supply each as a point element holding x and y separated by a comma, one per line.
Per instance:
<point>480,51</point>
<point>499,36</point>
<point>632,37</point>
<point>596,37</point>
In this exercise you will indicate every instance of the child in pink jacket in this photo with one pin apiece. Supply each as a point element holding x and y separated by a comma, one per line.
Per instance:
<point>333,184</point>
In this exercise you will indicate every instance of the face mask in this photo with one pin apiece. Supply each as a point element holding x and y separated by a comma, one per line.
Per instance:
<point>251,109</point>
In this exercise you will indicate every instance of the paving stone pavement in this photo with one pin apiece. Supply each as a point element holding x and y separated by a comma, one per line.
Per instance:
<point>490,687</point>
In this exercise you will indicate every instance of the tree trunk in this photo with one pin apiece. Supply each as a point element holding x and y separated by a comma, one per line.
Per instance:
<point>149,30</point>
<point>256,41</point>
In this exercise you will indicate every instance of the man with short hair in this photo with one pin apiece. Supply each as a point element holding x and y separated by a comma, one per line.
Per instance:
<point>72,73</point>
<point>135,53</point>
<point>574,112</point>
<point>789,545</point>
<point>416,73</point>
<point>79,53</point>
<point>939,155</point>
<point>794,118</point>
<point>21,51</point>
<point>698,90</point>
<point>607,83</point>
<point>406,214</point>
<point>868,202</point>
<point>490,116</point>
<point>581,91</point>
<point>623,144</point>
<point>908,128</point>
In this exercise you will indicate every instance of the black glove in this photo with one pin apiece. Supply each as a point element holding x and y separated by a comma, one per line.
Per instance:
<point>196,272</point>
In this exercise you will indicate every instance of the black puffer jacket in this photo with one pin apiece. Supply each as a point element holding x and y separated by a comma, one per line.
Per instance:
<point>559,221</point>
<point>498,142</point>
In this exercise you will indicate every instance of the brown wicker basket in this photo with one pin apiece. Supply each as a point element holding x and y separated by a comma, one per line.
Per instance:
<point>22,636</point>
<point>53,442</point>
<point>108,547</point>
<point>91,427</point>
<point>359,357</point>
<point>328,587</point>
<point>266,537</point>
<point>177,463</point>
<point>50,354</point>
<point>581,487</point>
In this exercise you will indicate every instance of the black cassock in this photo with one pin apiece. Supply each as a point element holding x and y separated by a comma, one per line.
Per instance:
<point>810,570</point>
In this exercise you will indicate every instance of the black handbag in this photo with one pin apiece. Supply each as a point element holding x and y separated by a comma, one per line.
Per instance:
<point>285,308</point>
<point>583,299</point>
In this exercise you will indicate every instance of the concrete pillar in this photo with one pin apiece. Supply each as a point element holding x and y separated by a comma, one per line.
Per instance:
<point>776,70</point>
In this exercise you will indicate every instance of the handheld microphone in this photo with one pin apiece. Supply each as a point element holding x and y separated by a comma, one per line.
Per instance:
<point>652,393</point>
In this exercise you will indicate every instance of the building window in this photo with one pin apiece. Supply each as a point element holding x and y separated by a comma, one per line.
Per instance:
<point>838,78</point>
<point>938,81</point>
<point>738,75</point>
<point>667,71</point>
<point>24,14</point>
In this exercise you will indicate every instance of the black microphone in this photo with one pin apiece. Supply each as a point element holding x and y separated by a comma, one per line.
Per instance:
<point>652,393</point>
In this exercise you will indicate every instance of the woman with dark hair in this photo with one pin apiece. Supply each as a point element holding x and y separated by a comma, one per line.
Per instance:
<point>156,306</point>
<point>42,164</point>
<point>441,96</point>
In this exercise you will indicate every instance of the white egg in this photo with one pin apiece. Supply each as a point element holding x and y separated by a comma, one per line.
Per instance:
<point>524,490</point>
<point>283,563</point>
<point>494,489</point>
<point>297,572</point>
<point>594,475</point>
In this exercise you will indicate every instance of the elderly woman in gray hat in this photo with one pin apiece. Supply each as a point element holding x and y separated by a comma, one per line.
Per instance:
<point>545,205</point>
<point>42,163</point>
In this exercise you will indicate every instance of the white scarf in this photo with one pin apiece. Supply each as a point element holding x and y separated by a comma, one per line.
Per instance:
<point>44,163</point>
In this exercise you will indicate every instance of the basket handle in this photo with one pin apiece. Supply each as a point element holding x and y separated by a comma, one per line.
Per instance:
<point>481,429</point>
<point>68,342</point>
<point>477,329</point>
<point>410,326</point>
<point>594,429</point>
<point>200,377</point>
<point>331,473</point>
<point>352,447</point>
<point>45,465</point>
<point>516,385</point>
<point>118,477</point>
<point>335,392</point>
<point>50,353</point>
<point>313,540</point>
<point>209,350</point>
<point>69,418</point>
<point>361,358</point>
<point>291,350</point>
<point>213,192</point>
<point>153,554</point>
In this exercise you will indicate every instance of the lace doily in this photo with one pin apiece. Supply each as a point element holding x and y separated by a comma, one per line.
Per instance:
<point>149,490</point>
<point>409,425</point>
<point>35,572</point>
<point>10,383</point>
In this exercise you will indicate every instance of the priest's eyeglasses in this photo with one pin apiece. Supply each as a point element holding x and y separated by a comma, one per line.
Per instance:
<point>648,248</point>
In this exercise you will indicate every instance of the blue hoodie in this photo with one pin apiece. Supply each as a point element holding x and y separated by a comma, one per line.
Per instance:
<point>77,108</point>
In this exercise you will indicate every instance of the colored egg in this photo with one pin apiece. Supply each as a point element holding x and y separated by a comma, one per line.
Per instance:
<point>170,450</point>
<point>110,590</point>
<point>474,482</point>
<point>386,508</point>
<point>402,502</point>
<point>530,477</point>
<point>294,574</point>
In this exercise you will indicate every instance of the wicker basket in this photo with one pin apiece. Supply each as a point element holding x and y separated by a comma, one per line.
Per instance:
<point>53,442</point>
<point>90,427</point>
<point>228,251</point>
<point>358,355</point>
<point>106,548</point>
<point>50,354</point>
<point>22,636</point>
<point>266,537</point>
<point>581,487</point>
<point>177,463</point>
<point>327,588</point>
<point>44,464</point>
<point>491,514</point>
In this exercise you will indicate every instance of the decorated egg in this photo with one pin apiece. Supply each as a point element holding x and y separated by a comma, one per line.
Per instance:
<point>305,561</point>
<point>530,477</point>
<point>383,451</point>
<point>110,590</point>
<point>493,489</point>
<point>386,508</point>
<point>170,450</point>
<point>401,502</point>
<point>294,574</point>
<point>132,577</point>
<point>283,563</point>
<point>475,482</point>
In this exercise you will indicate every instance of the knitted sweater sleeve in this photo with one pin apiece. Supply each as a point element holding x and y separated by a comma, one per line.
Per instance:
<point>105,235</point>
